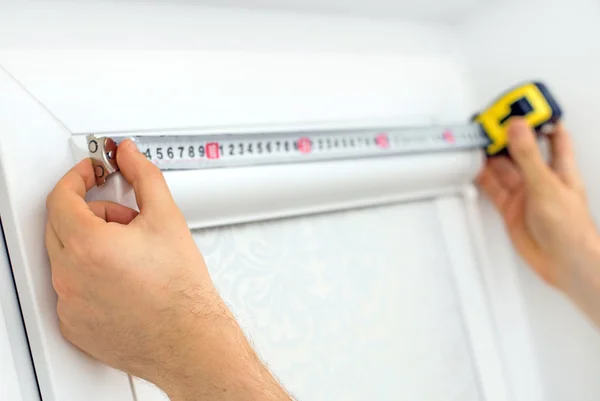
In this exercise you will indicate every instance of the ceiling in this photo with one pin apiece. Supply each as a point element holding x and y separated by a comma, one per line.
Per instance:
<point>445,11</point>
<point>425,10</point>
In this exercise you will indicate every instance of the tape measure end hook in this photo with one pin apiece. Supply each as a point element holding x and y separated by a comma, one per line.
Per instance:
<point>103,153</point>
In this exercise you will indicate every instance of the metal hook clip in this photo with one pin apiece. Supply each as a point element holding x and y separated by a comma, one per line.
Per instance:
<point>103,152</point>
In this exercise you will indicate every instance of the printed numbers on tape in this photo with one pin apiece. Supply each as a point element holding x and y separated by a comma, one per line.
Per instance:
<point>172,152</point>
<point>243,148</point>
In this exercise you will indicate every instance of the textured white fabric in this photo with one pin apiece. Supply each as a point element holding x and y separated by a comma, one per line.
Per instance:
<point>357,305</point>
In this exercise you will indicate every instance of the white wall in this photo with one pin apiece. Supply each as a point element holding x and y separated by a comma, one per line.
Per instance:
<point>557,42</point>
<point>164,25</point>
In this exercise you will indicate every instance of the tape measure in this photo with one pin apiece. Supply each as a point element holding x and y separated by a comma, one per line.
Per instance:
<point>532,101</point>
<point>185,152</point>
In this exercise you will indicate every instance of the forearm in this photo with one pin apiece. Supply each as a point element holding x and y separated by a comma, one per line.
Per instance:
<point>234,380</point>
<point>582,277</point>
<point>222,366</point>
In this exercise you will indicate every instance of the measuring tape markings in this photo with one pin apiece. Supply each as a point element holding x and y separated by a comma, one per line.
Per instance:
<point>530,100</point>
<point>184,152</point>
<point>171,152</point>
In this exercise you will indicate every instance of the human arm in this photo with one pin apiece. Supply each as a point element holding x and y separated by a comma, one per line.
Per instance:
<point>546,214</point>
<point>134,291</point>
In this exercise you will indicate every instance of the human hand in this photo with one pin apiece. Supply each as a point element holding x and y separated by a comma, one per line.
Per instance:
<point>545,210</point>
<point>134,291</point>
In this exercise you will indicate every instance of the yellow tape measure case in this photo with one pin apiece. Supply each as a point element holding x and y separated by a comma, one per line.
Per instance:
<point>532,100</point>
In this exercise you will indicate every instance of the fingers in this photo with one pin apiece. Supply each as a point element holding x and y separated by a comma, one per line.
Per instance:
<point>525,152</point>
<point>68,212</point>
<point>151,190</point>
<point>112,212</point>
<point>563,156</point>
<point>506,172</point>
<point>79,179</point>
<point>491,185</point>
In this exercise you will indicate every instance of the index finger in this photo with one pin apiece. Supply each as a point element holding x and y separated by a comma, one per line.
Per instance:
<point>68,212</point>
<point>563,156</point>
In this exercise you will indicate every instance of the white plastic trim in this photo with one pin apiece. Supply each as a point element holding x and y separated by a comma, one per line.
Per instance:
<point>162,90</point>
<point>464,253</point>
<point>224,196</point>
<point>17,377</point>
<point>499,274</point>
<point>9,383</point>
<point>33,152</point>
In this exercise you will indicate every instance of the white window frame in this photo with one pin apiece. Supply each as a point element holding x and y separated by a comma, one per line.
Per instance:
<point>34,146</point>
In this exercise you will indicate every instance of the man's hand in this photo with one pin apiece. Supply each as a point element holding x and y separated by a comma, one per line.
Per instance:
<point>546,213</point>
<point>134,291</point>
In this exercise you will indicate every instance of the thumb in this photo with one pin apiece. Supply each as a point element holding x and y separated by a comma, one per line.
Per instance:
<point>525,152</point>
<point>151,191</point>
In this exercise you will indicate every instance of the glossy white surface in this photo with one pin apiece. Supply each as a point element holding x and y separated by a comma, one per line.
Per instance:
<point>208,89</point>
<point>9,379</point>
<point>459,218</point>
<point>28,171</point>
<point>211,198</point>
<point>17,377</point>
<point>225,67</point>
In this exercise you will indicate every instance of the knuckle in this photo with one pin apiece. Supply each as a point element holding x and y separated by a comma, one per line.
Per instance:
<point>59,285</point>
<point>62,287</point>
<point>50,199</point>
<point>65,321</point>
<point>61,311</point>
<point>64,331</point>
